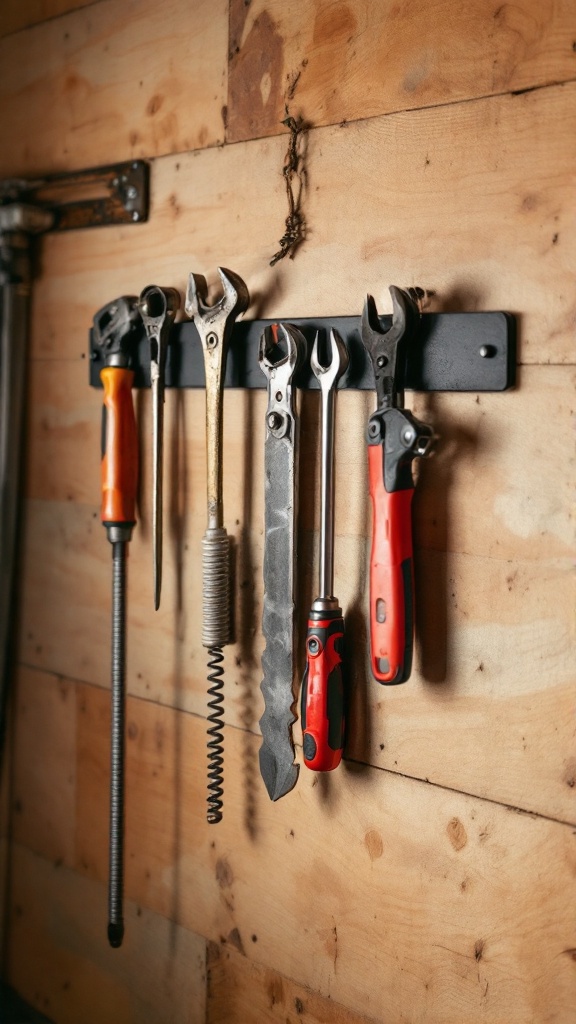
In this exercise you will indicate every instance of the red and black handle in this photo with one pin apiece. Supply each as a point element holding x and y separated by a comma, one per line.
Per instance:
<point>322,712</point>
<point>395,438</point>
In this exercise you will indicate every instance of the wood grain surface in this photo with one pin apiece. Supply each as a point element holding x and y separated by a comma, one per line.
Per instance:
<point>330,61</point>
<point>443,891</point>
<point>241,990</point>
<point>364,886</point>
<point>21,14</point>
<point>432,878</point>
<point>59,926</point>
<point>485,227</point>
<point>113,81</point>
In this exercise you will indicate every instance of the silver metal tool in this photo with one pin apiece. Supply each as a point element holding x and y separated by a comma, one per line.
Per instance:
<point>214,325</point>
<point>280,514</point>
<point>328,377</point>
<point>322,700</point>
<point>158,307</point>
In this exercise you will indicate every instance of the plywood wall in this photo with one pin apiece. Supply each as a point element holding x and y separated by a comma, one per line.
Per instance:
<point>432,877</point>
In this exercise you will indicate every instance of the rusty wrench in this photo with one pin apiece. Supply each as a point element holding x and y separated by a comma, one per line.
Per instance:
<point>214,325</point>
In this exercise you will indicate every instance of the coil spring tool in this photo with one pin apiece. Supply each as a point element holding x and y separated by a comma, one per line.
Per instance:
<point>214,325</point>
<point>158,307</point>
<point>322,687</point>
<point>280,514</point>
<point>395,437</point>
<point>114,331</point>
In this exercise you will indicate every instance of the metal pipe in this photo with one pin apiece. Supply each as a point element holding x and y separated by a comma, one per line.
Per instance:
<point>15,277</point>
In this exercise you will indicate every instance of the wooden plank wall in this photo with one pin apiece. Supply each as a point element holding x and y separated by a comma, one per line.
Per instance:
<point>432,878</point>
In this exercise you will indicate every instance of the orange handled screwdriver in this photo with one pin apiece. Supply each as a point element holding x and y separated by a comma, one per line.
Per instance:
<point>115,333</point>
<point>322,707</point>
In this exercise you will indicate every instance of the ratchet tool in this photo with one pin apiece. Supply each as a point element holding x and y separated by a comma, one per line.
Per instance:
<point>115,332</point>
<point>282,351</point>
<point>158,307</point>
<point>395,438</point>
<point>322,701</point>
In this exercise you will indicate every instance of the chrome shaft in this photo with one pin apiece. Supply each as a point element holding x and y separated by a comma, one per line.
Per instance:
<point>328,377</point>
<point>158,307</point>
<point>327,496</point>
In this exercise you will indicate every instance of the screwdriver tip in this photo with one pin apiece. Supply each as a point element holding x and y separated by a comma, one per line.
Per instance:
<point>115,933</point>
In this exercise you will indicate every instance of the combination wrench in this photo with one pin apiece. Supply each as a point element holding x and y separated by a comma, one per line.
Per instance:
<point>158,307</point>
<point>322,702</point>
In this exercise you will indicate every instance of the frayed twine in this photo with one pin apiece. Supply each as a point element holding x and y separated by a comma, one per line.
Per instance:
<point>293,168</point>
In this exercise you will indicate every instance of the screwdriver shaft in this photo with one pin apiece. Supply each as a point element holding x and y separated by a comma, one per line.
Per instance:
<point>116,853</point>
<point>327,496</point>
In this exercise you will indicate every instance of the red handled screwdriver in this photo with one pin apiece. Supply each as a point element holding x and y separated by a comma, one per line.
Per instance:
<point>114,332</point>
<point>395,438</point>
<point>322,703</point>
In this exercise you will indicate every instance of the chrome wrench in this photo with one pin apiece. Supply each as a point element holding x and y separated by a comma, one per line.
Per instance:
<point>158,307</point>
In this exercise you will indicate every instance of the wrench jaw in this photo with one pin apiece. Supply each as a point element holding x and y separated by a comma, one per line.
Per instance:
<point>328,376</point>
<point>114,328</point>
<point>235,300</point>
<point>280,368</point>
<point>196,293</point>
<point>236,296</point>
<point>158,308</point>
<point>387,349</point>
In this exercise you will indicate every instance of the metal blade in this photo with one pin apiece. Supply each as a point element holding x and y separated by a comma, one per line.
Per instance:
<point>277,752</point>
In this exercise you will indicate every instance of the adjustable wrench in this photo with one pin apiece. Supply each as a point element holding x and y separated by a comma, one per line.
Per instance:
<point>158,307</point>
<point>395,438</point>
<point>280,512</point>
<point>322,686</point>
<point>214,325</point>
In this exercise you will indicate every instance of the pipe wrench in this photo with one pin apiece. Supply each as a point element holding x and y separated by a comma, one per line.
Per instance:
<point>395,439</point>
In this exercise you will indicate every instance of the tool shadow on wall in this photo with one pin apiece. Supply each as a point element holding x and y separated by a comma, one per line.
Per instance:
<point>245,617</point>
<point>177,518</point>
<point>434,543</point>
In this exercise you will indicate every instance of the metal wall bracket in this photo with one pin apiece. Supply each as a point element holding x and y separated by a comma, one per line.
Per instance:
<point>451,352</point>
<point>115,194</point>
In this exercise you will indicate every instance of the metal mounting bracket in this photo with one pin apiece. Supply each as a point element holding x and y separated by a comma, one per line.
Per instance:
<point>451,352</point>
<point>115,194</point>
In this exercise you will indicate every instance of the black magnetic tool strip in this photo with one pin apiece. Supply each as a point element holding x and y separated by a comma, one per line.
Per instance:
<point>450,352</point>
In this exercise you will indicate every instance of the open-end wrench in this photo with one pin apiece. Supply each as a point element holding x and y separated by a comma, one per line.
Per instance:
<point>395,438</point>
<point>214,325</point>
<point>158,307</point>
<point>282,350</point>
<point>322,686</point>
